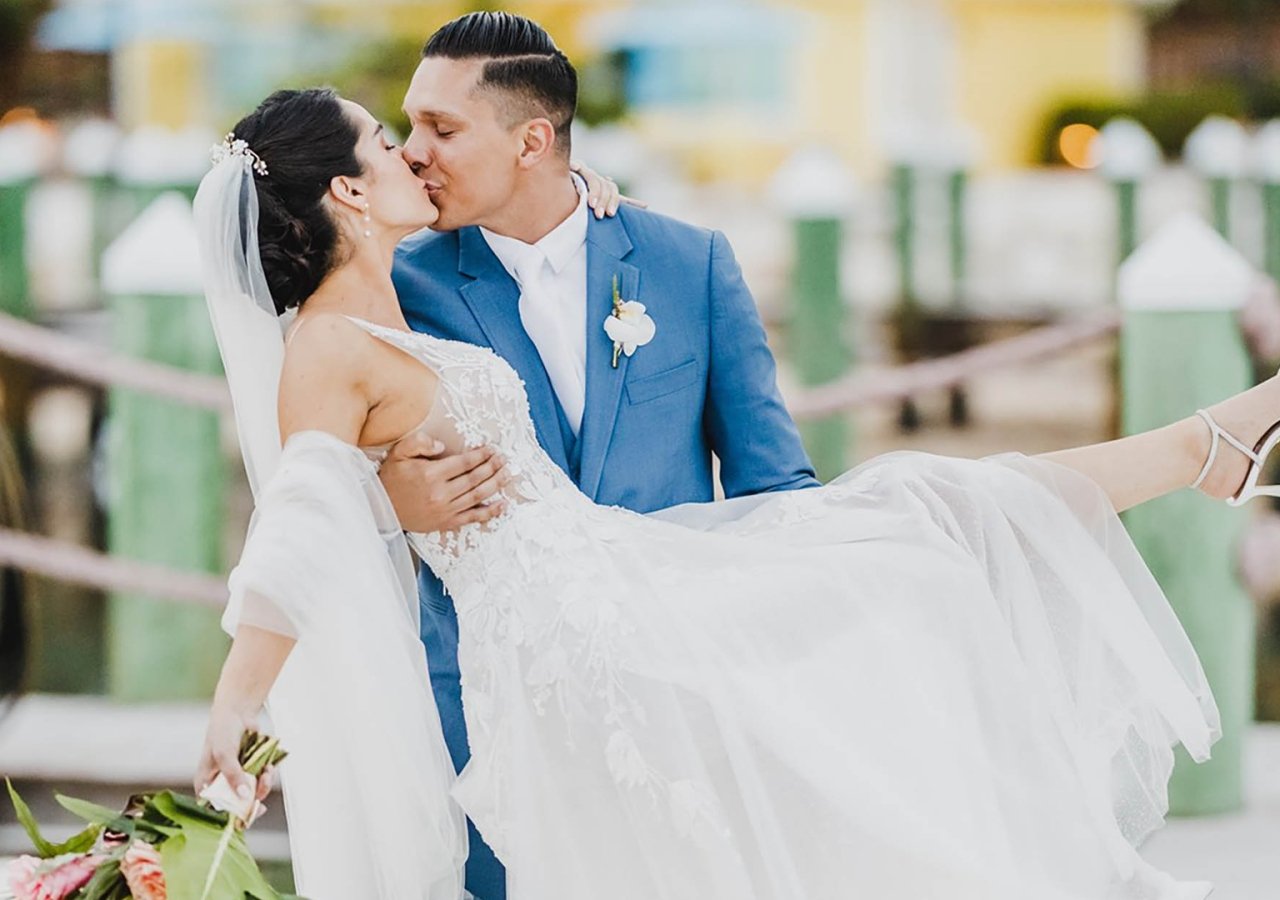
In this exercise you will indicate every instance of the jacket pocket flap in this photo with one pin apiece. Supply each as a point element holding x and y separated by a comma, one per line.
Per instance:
<point>651,387</point>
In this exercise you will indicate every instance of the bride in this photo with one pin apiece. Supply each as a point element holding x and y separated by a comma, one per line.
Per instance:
<point>931,678</point>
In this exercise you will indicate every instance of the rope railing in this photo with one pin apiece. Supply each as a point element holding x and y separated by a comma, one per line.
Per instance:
<point>864,388</point>
<point>74,564</point>
<point>90,362</point>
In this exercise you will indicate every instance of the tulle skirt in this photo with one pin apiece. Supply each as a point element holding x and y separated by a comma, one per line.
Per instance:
<point>932,678</point>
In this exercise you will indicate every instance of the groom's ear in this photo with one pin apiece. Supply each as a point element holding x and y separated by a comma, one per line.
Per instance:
<point>538,139</point>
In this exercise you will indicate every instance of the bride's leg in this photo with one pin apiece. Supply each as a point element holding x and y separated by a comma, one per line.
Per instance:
<point>1135,469</point>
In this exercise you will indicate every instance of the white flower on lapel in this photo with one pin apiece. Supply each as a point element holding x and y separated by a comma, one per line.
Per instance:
<point>627,326</point>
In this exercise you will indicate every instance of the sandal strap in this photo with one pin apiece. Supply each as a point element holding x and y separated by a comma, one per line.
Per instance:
<point>1217,435</point>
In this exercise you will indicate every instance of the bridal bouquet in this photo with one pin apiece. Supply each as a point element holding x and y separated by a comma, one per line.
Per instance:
<point>163,846</point>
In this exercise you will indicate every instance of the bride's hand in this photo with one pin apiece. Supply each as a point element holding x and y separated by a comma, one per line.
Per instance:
<point>221,753</point>
<point>603,195</point>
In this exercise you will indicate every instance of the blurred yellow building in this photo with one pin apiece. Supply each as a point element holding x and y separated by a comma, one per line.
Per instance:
<point>877,79</point>
<point>730,87</point>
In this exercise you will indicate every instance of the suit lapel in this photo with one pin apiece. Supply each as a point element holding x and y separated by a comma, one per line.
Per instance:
<point>607,246</point>
<point>494,299</point>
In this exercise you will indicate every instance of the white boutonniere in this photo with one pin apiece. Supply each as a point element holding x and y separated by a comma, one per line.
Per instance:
<point>627,326</point>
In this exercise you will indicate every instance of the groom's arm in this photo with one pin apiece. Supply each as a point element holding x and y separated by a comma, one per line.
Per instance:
<point>751,431</point>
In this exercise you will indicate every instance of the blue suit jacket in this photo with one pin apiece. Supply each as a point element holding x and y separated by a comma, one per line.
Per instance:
<point>705,384</point>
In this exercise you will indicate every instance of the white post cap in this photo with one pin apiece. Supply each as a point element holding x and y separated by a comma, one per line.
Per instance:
<point>946,147</point>
<point>1186,266</point>
<point>813,183</point>
<point>1265,152</point>
<point>157,254</point>
<point>27,150</point>
<point>1125,151</point>
<point>158,156</point>
<point>1218,148</point>
<point>613,146</point>
<point>90,147</point>
<point>959,147</point>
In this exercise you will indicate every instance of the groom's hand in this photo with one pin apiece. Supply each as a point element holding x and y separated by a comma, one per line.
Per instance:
<point>432,491</point>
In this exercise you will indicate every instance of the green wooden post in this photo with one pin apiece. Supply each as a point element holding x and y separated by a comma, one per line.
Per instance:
<point>1271,212</point>
<point>167,478</point>
<point>904,179</point>
<point>154,161</point>
<point>24,155</point>
<point>88,153</point>
<point>957,234</point>
<point>1220,202</point>
<point>1126,217</point>
<point>1218,150</point>
<point>820,351</point>
<point>815,190</point>
<point>1182,349</point>
<point>1266,158</point>
<point>1127,154</point>
<point>15,293</point>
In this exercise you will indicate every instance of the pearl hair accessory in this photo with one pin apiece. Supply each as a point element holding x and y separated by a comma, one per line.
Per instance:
<point>233,146</point>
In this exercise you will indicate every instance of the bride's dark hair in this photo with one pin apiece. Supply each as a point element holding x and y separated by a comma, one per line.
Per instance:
<point>305,138</point>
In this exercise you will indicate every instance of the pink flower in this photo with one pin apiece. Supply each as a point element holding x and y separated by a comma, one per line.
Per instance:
<point>142,872</point>
<point>21,871</point>
<point>50,879</point>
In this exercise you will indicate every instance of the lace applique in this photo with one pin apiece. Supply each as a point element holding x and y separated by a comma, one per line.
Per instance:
<point>535,548</point>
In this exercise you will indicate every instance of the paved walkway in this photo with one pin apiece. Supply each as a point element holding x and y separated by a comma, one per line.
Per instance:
<point>88,741</point>
<point>1240,852</point>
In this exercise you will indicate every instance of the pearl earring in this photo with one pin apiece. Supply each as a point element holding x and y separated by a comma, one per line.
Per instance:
<point>367,232</point>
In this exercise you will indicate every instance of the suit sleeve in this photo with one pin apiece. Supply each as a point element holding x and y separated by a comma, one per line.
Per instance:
<point>750,429</point>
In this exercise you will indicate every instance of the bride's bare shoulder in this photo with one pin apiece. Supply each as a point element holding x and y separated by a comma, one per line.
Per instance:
<point>324,379</point>
<point>329,343</point>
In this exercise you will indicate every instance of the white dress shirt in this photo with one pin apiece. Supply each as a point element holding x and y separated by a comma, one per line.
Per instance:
<point>552,275</point>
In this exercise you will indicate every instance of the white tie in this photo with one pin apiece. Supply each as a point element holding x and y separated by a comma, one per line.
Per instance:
<point>543,320</point>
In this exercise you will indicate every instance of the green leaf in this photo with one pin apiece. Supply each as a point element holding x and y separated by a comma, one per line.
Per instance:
<point>173,806</point>
<point>107,883</point>
<point>79,843</point>
<point>193,859</point>
<point>90,812</point>
<point>44,849</point>
<point>96,815</point>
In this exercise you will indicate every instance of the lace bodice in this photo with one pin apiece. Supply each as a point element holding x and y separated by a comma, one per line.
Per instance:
<point>483,399</point>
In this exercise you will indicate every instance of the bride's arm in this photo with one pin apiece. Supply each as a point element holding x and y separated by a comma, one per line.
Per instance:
<point>251,667</point>
<point>322,388</point>
<point>324,381</point>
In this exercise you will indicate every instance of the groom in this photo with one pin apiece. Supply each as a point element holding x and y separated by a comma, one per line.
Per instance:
<point>517,263</point>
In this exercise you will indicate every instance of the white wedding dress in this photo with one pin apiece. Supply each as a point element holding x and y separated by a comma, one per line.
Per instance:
<point>932,678</point>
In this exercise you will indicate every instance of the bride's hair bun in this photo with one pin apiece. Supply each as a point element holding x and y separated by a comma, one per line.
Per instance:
<point>306,139</point>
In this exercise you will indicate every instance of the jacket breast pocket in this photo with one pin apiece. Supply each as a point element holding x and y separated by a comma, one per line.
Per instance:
<point>651,387</point>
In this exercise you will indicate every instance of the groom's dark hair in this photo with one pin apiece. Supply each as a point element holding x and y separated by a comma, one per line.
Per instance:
<point>524,69</point>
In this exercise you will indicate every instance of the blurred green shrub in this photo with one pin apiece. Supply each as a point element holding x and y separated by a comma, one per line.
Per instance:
<point>376,77</point>
<point>1169,115</point>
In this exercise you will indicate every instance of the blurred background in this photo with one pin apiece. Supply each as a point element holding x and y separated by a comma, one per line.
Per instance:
<point>933,201</point>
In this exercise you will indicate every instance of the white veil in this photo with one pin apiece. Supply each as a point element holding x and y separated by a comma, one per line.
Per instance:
<point>250,335</point>
<point>367,785</point>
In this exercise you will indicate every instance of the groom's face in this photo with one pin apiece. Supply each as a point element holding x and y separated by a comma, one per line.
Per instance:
<point>459,146</point>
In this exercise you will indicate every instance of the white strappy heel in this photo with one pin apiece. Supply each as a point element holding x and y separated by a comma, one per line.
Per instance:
<point>1257,459</point>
